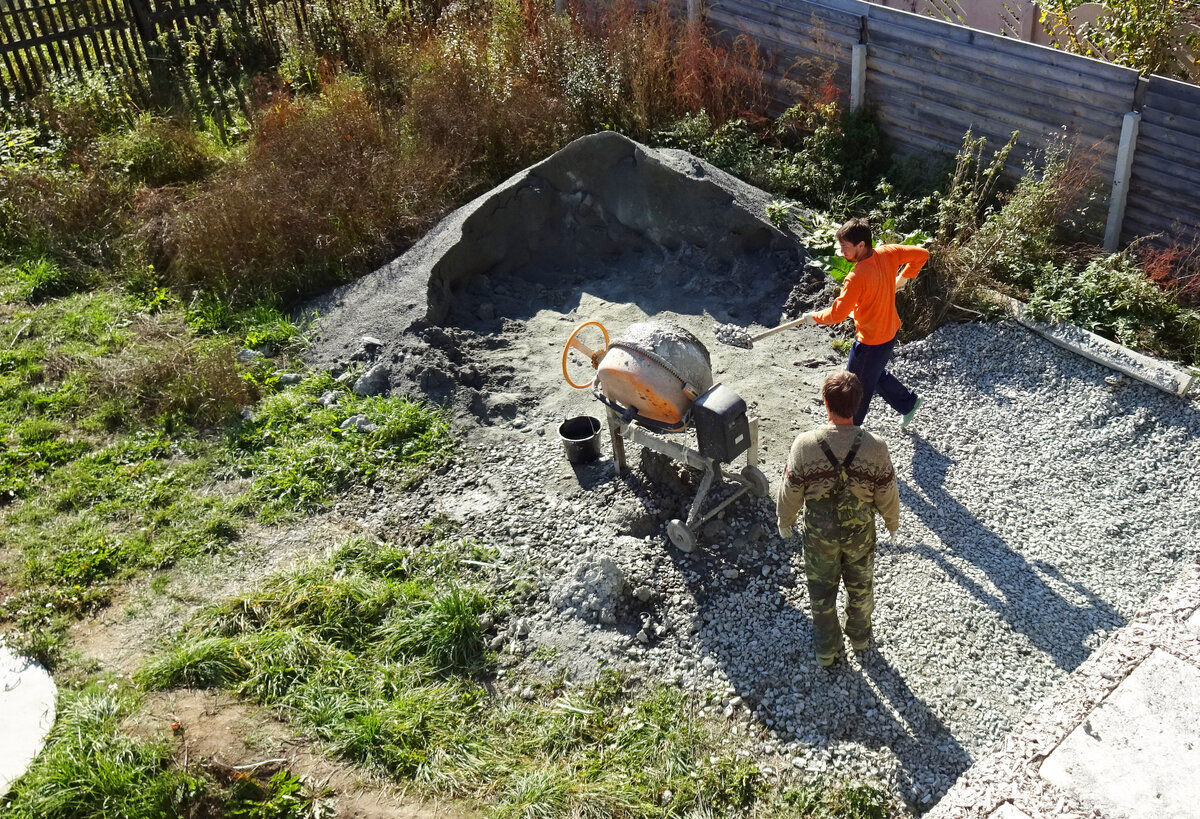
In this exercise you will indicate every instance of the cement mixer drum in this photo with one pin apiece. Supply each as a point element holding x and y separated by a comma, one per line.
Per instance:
<point>656,369</point>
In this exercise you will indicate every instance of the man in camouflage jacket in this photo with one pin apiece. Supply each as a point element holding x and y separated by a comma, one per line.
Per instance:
<point>841,475</point>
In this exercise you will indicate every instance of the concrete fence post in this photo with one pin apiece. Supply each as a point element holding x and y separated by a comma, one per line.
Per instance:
<point>1120,186</point>
<point>560,6</point>
<point>695,10</point>
<point>858,77</point>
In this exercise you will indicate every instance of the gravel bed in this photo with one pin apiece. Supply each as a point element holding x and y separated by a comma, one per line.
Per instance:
<point>1041,503</point>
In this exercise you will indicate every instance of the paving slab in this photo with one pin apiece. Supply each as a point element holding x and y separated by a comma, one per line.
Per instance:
<point>27,696</point>
<point>1120,738</point>
<point>1138,752</point>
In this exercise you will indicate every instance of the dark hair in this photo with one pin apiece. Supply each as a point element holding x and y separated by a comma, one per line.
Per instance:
<point>842,392</point>
<point>855,231</point>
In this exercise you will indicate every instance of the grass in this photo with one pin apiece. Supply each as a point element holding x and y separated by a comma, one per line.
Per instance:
<point>378,651</point>
<point>91,767</point>
<point>122,450</point>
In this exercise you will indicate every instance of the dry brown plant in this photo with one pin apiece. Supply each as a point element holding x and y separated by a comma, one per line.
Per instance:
<point>166,371</point>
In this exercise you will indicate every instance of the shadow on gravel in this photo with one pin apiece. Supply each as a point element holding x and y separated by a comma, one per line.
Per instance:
<point>765,652</point>
<point>1025,600</point>
<point>929,754</point>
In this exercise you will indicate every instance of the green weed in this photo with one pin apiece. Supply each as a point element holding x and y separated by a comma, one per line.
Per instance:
<point>156,152</point>
<point>301,457</point>
<point>1110,296</point>
<point>283,796</point>
<point>89,768</point>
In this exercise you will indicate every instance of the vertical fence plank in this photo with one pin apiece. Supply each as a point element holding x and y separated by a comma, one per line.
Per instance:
<point>41,20</point>
<point>33,59</point>
<point>67,39</point>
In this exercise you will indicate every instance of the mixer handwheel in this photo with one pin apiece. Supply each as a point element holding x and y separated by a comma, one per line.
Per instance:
<point>759,484</point>
<point>681,536</point>
<point>593,356</point>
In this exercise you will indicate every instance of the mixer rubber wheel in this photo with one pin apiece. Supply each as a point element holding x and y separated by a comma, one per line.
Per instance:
<point>681,536</point>
<point>759,484</point>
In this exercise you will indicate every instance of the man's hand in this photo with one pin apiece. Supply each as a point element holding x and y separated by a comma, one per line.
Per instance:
<point>809,320</point>
<point>894,536</point>
<point>901,282</point>
<point>784,531</point>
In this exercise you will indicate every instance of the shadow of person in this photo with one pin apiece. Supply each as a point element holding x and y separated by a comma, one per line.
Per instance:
<point>1021,594</point>
<point>758,634</point>
<point>930,757</point>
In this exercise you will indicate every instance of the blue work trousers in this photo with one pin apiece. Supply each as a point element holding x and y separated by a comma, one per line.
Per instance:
<point>869,362</point>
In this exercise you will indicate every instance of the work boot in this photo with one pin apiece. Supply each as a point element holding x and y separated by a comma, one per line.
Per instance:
<point>827,660</point>
<point>906,419</point>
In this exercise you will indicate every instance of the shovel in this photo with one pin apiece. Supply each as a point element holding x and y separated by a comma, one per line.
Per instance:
<point>735,336</point>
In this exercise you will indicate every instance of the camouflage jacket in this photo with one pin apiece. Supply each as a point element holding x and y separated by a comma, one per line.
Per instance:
<point>809,475</point>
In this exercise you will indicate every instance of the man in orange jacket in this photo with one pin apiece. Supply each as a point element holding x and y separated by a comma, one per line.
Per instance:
<point>869,292</point>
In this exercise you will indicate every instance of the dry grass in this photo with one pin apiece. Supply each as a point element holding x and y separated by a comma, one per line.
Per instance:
<point>76,214</point>
<point>166,372</point>
<point>1175,268</point>
<point>328,186</point>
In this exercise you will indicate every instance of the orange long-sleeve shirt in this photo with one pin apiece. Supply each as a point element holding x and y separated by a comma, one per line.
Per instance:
<point>869,292</point>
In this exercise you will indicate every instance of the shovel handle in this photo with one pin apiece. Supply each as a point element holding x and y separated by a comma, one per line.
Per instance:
<point>779,329</point>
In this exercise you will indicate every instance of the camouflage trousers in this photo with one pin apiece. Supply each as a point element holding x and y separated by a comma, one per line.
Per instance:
<point>826,562</point>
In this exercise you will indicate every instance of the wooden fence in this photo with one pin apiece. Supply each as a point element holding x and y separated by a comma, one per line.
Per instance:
<point>142,41</point>
<point>42,39</point>
<point>929,81</point>
<point>1165,167</point>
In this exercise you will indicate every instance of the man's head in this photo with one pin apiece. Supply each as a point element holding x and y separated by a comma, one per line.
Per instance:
<point>855,240</point>
<point>842,392</point>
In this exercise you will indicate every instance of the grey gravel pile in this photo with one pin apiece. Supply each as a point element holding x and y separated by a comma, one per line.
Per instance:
<point>1041,506</point>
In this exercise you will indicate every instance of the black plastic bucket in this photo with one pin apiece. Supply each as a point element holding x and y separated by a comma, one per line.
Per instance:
<point>581,438</point>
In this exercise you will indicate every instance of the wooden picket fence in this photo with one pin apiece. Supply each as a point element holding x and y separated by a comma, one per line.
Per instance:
<point>140,41</point>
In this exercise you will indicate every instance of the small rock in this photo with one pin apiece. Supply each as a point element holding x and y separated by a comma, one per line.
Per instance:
<point>290,379</point>
<point>374,381</point>
<point>730,573</point>
<point>328,399</point>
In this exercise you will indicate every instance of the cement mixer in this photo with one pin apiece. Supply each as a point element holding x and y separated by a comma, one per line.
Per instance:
<point>655,381</point>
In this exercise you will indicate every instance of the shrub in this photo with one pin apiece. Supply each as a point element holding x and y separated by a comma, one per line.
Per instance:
<point>157,151</point>
<point>1175,268</point>
<point>1111,296</point>
<point>80,108</point>
<point>328,187</point>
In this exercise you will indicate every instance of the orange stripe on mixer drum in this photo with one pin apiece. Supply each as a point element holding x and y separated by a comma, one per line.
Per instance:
<point>664,402</point>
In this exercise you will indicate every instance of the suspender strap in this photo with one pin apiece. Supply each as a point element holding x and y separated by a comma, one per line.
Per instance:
<point>833,461</point>
<point>853,450</point>
<point>849,455</point>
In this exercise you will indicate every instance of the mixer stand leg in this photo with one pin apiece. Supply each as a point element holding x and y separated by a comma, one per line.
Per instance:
<point>618,441</point>
<point>706,482</point>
